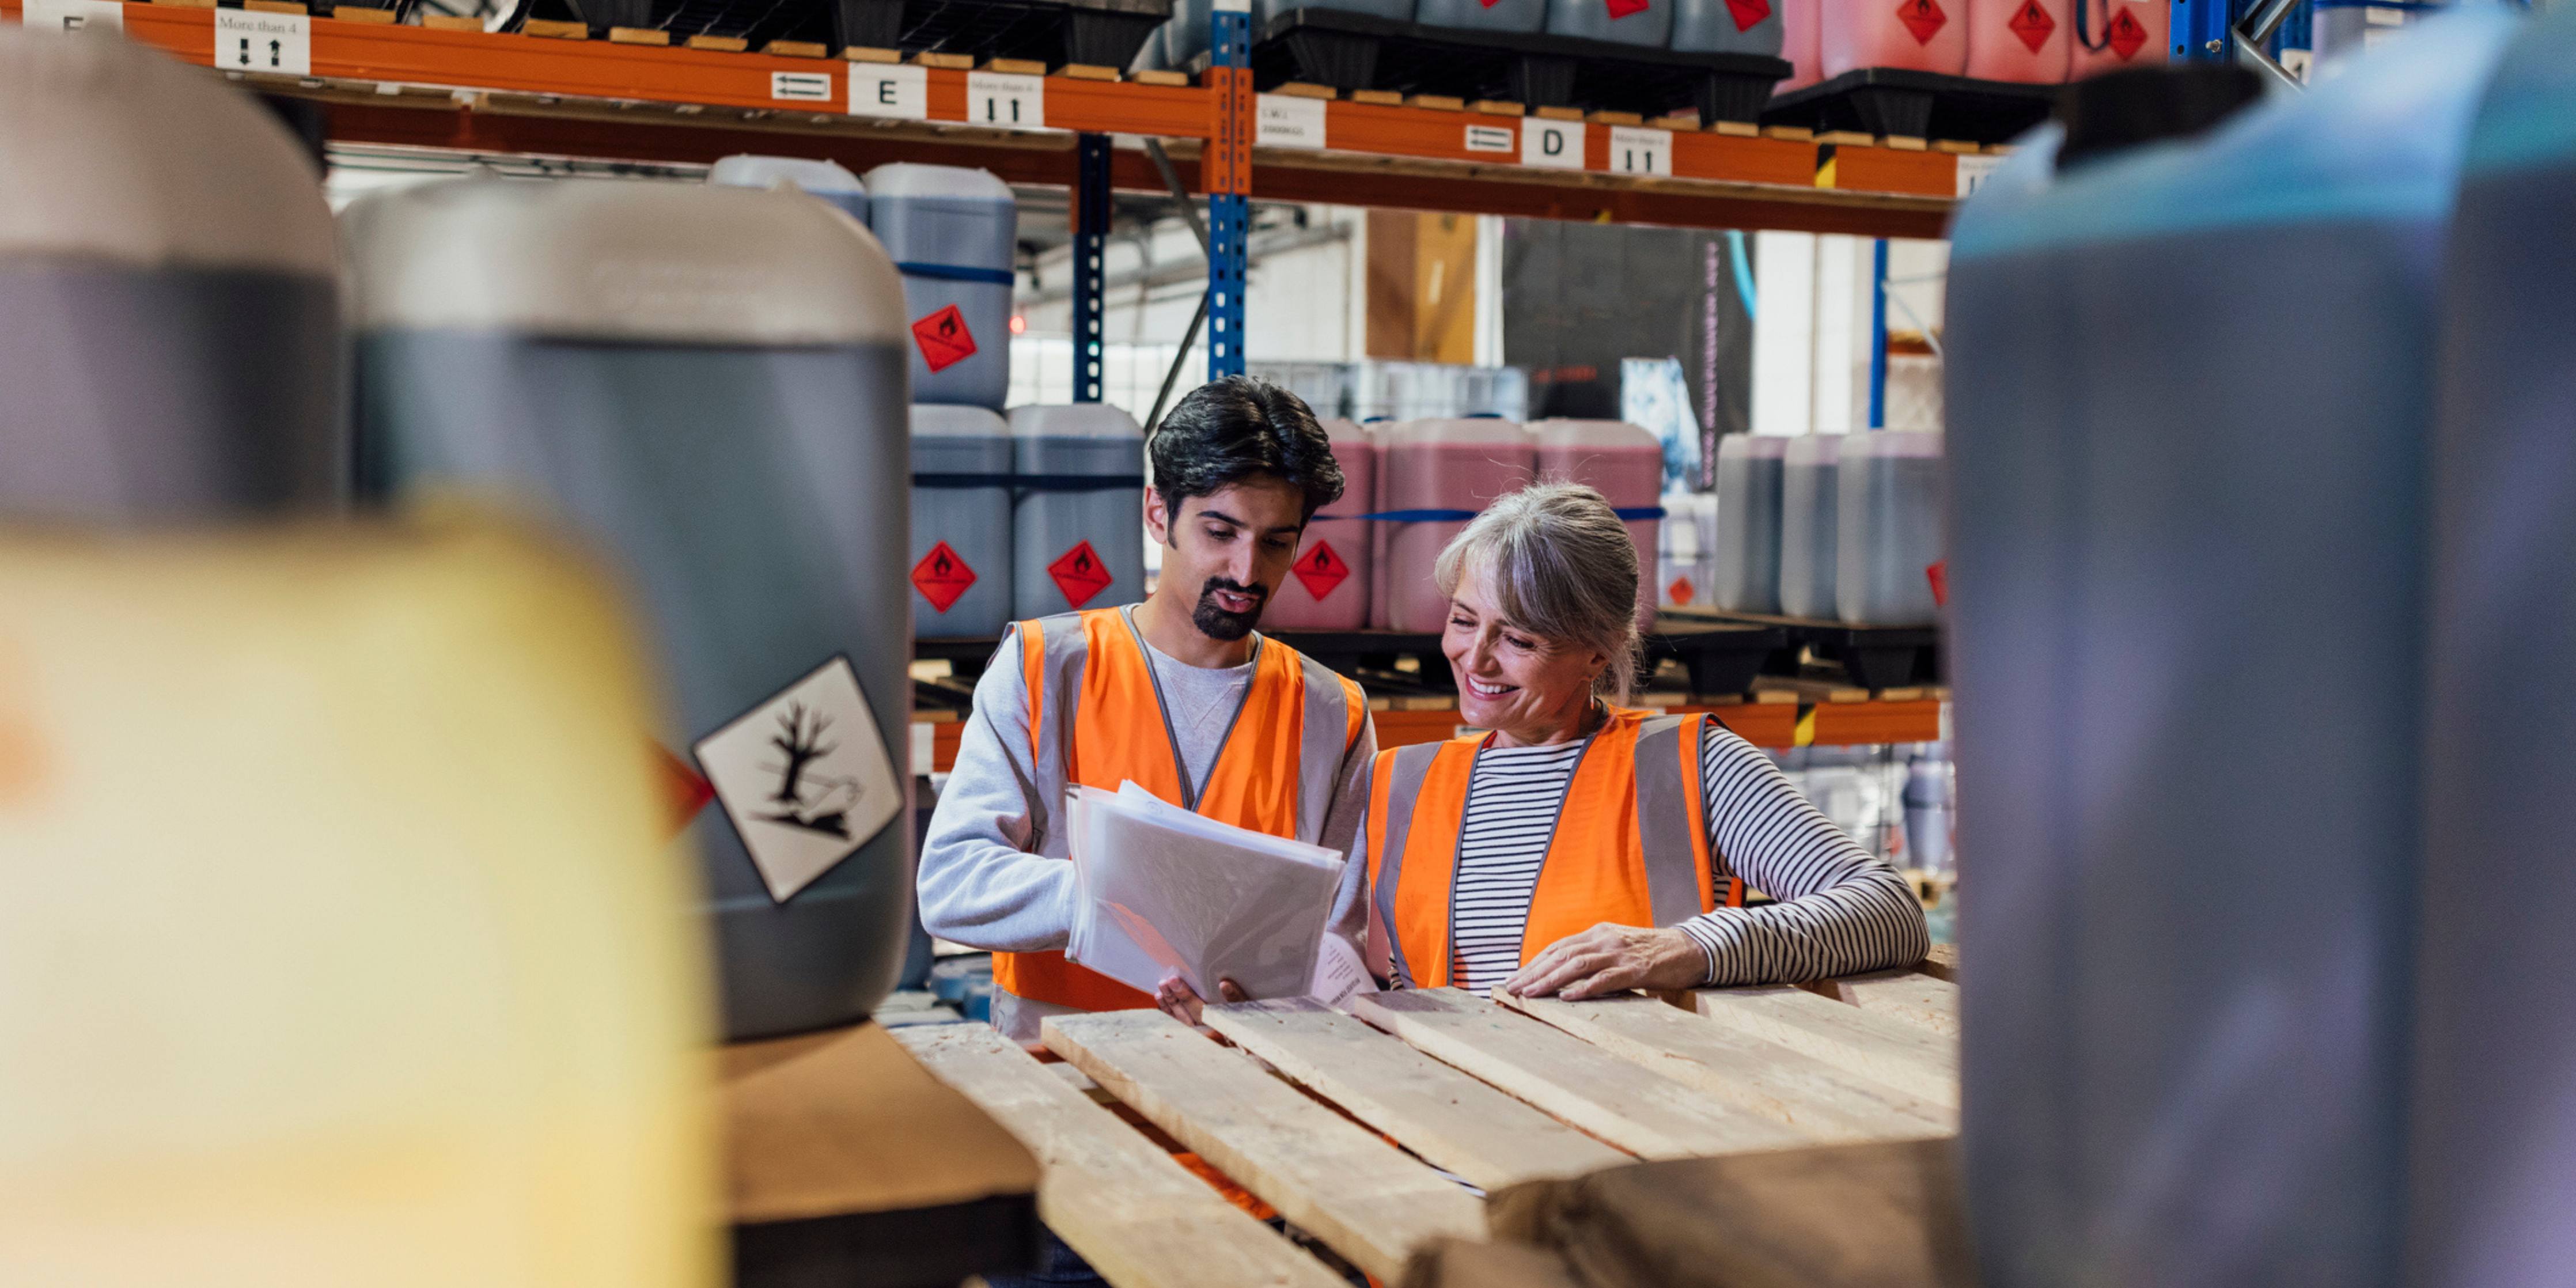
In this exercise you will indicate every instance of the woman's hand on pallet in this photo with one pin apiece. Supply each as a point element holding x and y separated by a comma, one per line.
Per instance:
<point>1611,959</point>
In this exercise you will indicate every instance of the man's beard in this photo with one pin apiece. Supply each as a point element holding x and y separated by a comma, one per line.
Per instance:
<point>1218,624</point>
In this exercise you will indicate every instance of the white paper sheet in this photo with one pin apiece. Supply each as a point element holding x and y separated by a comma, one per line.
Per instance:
<point>1166,891</point>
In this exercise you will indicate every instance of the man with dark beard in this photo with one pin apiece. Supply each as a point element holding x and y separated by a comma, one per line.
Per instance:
<point>1177,694</point>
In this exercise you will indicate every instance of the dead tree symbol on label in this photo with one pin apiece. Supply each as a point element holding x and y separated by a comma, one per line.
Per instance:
<point>818,804</point>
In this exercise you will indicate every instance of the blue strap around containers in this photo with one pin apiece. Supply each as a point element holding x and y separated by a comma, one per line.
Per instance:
<point>955,273</point>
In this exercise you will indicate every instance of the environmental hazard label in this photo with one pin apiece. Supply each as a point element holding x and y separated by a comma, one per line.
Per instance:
<point>1320,569</point>
<point>2032,24</point>
<point>1921,17</point>
<point>1078,574</point>
<point>942,576</point>
<point>1747,12</point>
<point>944,339</point>
<point>2126,34</point>
<point>805,777</point>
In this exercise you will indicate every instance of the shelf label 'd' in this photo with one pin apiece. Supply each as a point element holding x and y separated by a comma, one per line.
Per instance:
<point>1006,100</point>
<point>278,44</point>
<point>1488,138</point>
<point>895,90</point>
<point>1287,121</point>
<point>801,87</point>
<point>1556,145</point>
<point>78,15</point>
<point>1637,150</point>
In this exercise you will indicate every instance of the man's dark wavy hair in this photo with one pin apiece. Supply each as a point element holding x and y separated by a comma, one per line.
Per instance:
<point>1238,428</point>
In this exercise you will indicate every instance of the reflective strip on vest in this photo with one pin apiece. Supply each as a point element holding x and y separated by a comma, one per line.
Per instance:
<point>1630,842</point>
<point>1096,719</point>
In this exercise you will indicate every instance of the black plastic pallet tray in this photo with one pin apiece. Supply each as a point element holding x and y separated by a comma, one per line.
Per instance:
<point>1922,105</point>
<point>1103,33</point>
<point>1353,51</point>
<point>1875,657</point>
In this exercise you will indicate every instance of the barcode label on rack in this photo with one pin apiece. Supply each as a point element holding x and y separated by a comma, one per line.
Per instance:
<point>1636,150</point>
<point>1005,100</point>
<point>896,91</point>
<point>1287,121</point>
<point>279,44</point>
<point>801,87</point>
<point>1488,138</point>
<point>1555,145</point>
<point>1973,171</point>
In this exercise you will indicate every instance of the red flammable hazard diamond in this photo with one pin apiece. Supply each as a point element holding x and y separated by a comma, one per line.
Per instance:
<point>685,789</point>
<point>1681,591</point>
<point>1922,17</point>
<point>2032,24</point>
<point>942,576</point>
<point>1321,569</point>
<point>944,339</point>
<point>2127,34</point>
<point>1078,574</point>
<point>1622,8</point>
<point>1748,12</point>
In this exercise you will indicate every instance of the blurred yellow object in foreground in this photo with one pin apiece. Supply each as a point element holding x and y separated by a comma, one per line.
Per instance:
<point>340,939</point>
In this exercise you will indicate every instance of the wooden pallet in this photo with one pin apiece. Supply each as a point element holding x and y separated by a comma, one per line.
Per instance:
<point>1376,1131</point>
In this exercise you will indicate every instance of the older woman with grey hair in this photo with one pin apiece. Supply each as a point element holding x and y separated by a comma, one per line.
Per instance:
<point>1577,848</point>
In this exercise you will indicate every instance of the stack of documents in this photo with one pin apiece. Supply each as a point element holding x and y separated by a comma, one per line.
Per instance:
<point>1168,892</point>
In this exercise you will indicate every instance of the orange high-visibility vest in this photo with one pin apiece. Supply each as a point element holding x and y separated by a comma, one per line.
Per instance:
<point>1097,718</point>
<point>1630,845</point>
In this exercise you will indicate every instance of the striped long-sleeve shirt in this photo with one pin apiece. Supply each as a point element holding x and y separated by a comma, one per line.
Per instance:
<point>1841,910</point>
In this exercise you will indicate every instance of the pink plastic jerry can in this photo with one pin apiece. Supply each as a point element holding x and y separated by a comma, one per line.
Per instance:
<point>1625,464</point>
<point>2019,40</point>
<point>2130,33</point>
<point>1328,588</point>
<point>1801,27</point>
<point>1437,474</point>
<point>1918,35</point>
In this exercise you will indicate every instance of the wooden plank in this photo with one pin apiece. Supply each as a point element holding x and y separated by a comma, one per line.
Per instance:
<point>1904,994</point>
<point>796,49</point>
<point>720,44</point>
<point>1160,76</point>
<point>551,29</point>
<point>639,36</point>
<point>1611,1098</point>
<point>1759,1076</point>
<point>1140,1219</point>
<point>1436,1111</point>
<point>1905,1056</point>
<point>1330,1176</point>
<point>1941,963</point>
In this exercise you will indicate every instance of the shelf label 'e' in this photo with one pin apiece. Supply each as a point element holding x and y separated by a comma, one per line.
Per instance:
<point>1556,145</point>
<point>276,44</point>
<point>1006,100</point>
<point>1639,150</point>
<point>1287,121</point>
<point>73,15</point>
<point>900,91</point>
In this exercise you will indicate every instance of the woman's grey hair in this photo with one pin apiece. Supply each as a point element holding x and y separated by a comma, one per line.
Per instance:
<point>1561,567</point>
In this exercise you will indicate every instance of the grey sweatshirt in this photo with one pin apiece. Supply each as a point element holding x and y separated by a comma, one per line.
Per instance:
<point>984,881</point>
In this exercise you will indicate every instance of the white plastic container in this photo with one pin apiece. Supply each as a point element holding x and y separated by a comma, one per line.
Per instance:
<point>1745,565</point>
<point>1682,569</point>
<point>1625,464</point>
<point>961,522</point>
<point>1446,471</point>
<point>1808,495</point>
<point>1328,588</point>
<point>1078,529</point>
<point>951,231</point>
<point>1888,528</point>
<point>389,977</point>
<point>169,294</point>
<point>828,180</point>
